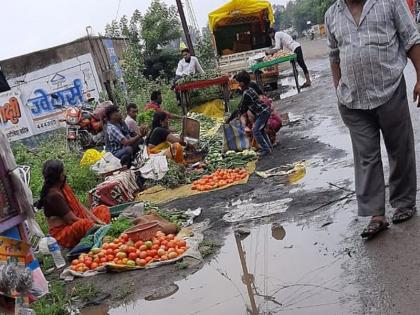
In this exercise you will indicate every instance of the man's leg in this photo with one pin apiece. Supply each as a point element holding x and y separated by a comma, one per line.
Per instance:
<point>301,62</point>
<point>259,133</point>
<point>125,155</point>
<point>397,130</point>
<point>369,177</point>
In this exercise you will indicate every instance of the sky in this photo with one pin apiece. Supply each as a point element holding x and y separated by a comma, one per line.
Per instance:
<point>30,25</point>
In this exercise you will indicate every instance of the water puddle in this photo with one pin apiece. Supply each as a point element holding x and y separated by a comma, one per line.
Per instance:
<point>271,269</point>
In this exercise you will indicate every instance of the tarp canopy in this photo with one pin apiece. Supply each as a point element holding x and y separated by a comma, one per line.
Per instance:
<point>240,7</point>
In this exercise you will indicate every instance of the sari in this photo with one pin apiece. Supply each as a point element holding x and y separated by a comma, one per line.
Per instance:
<point>70,235</point>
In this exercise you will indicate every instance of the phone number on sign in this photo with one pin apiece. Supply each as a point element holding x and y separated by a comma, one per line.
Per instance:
<point>47,124</point>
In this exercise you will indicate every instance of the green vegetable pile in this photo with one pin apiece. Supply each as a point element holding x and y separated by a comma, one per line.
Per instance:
<point>177,217</point>
<point>230,159</point>
<point>175,177</point>
<point>118,226</point>
<point>208,75</point>
<point>201,96</point>
<point>145,118</point>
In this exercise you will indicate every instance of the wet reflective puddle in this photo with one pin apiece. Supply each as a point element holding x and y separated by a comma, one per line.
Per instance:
<point>269,269</point>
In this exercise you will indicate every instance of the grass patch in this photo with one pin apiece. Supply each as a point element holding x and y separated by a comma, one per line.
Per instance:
<point>81,179</point>
<point>182,265</point>
<point>208,248</point>
<point>125,291</point>
<point>59,300</point>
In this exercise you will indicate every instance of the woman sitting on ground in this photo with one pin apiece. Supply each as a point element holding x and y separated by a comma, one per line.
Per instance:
<point>68,220</point>
<point>161,138</point>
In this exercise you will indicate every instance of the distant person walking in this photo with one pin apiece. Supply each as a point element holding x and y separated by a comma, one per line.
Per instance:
<point>283,40</point>
<point>369,43</point>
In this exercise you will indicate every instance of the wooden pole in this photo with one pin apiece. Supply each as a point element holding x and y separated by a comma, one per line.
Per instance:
<point>185,26</point>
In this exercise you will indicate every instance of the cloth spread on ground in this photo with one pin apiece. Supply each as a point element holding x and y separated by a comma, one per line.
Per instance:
<point>155,168</point>
<point>69,236</point>
<point>160,195</point>
<point>193,235</point>
<point>116,189</point>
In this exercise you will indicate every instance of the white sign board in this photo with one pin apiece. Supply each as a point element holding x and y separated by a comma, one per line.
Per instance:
<point>13,117</point>
<point>71,82</point>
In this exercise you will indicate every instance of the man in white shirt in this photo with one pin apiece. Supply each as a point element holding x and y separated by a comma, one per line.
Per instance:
<point>188,64</point>
<point>131,121</point>
<point>285,41</point>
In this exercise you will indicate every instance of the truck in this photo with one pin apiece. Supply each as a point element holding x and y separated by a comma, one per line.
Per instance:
<point>240,33</point>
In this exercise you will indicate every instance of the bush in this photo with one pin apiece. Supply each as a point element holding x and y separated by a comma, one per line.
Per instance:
<point>81,179</point>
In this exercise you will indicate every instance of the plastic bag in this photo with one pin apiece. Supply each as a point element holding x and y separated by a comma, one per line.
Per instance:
<point>90,157</point>
<point>108,163</point>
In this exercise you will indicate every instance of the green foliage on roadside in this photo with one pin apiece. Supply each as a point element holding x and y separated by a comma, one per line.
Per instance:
<point>80,179</point>
<point>297,13</point>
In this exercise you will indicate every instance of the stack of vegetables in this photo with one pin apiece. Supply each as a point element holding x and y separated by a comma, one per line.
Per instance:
<point>203,95</point>
<point>124,252</point>
<point>220,178</point>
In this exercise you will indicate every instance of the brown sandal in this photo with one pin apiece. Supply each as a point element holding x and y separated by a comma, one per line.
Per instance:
<point>374,228</point>
<point>403,214</point>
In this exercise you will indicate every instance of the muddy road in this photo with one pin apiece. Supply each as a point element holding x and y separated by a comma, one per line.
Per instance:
<point>298,250</point>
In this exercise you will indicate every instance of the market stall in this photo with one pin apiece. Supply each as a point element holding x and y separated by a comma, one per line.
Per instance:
<point>202,83</point>
<point>276,59</point>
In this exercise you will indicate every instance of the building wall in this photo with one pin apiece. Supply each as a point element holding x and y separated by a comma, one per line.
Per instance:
<point>45,82</point>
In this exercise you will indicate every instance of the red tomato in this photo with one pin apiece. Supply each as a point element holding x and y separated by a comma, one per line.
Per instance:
<point>171,244</point>
<point>143,255</point>
<point>153,252</point>
<point>182,243</point>
<point>141,262</point>
<point>88,262</point>
<point>103,260</point>
<point>148,259</point>
<point>143,248</point>
<point>132,249</point>
<point>93,266</point>
<point>105,245</point>
<point>138,244</point>
<point>156,246</point>
<point>109,251</point>
<point>75,262</point>
<point>172,255</point>
<point>124,237</point>
<point>110,258</point>
<point>132,256</point>
<point>164,247</point>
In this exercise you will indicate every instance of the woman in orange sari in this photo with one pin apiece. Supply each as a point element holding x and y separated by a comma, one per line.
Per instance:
<point>68,220</point>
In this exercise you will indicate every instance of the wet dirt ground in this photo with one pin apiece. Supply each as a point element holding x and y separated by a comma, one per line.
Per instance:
<point>303,254</point>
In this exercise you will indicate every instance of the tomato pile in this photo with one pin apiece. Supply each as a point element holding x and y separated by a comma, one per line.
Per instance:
<point>220,178</point>
<point>123,251</point>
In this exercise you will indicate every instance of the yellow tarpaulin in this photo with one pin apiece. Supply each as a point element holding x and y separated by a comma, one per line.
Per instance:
<point>159,195</point>
<point>214,109</point>
<point>239,7</point>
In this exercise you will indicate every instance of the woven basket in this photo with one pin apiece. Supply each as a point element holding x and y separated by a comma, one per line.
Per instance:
<point>143,232</point>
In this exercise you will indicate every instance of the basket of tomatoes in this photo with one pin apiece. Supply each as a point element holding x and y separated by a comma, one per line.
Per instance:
<point>219,179</point>
<point>124,251</point>
<point>143,232</point>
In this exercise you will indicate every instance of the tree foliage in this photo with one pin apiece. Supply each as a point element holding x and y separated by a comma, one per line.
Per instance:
<point>205,51</point>
<point>298,12</point>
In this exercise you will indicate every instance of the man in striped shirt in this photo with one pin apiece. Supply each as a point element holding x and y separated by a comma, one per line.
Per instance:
<point>369,44</point>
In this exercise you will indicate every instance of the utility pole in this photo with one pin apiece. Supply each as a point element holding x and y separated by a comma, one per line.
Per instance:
<point>185,26</point>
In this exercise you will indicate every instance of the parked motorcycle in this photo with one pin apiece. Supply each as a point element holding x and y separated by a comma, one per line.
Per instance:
<point>83,129</point>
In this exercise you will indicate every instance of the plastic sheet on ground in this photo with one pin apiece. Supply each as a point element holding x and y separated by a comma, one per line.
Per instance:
<point>193,236</point>
<point>289,173</point>
<point>159,194</point>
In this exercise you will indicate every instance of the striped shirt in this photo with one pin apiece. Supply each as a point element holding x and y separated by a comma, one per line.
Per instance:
<point>373,55</point>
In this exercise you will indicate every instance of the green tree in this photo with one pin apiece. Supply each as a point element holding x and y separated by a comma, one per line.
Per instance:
<point>205,51</point>
<point>160,26</point>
